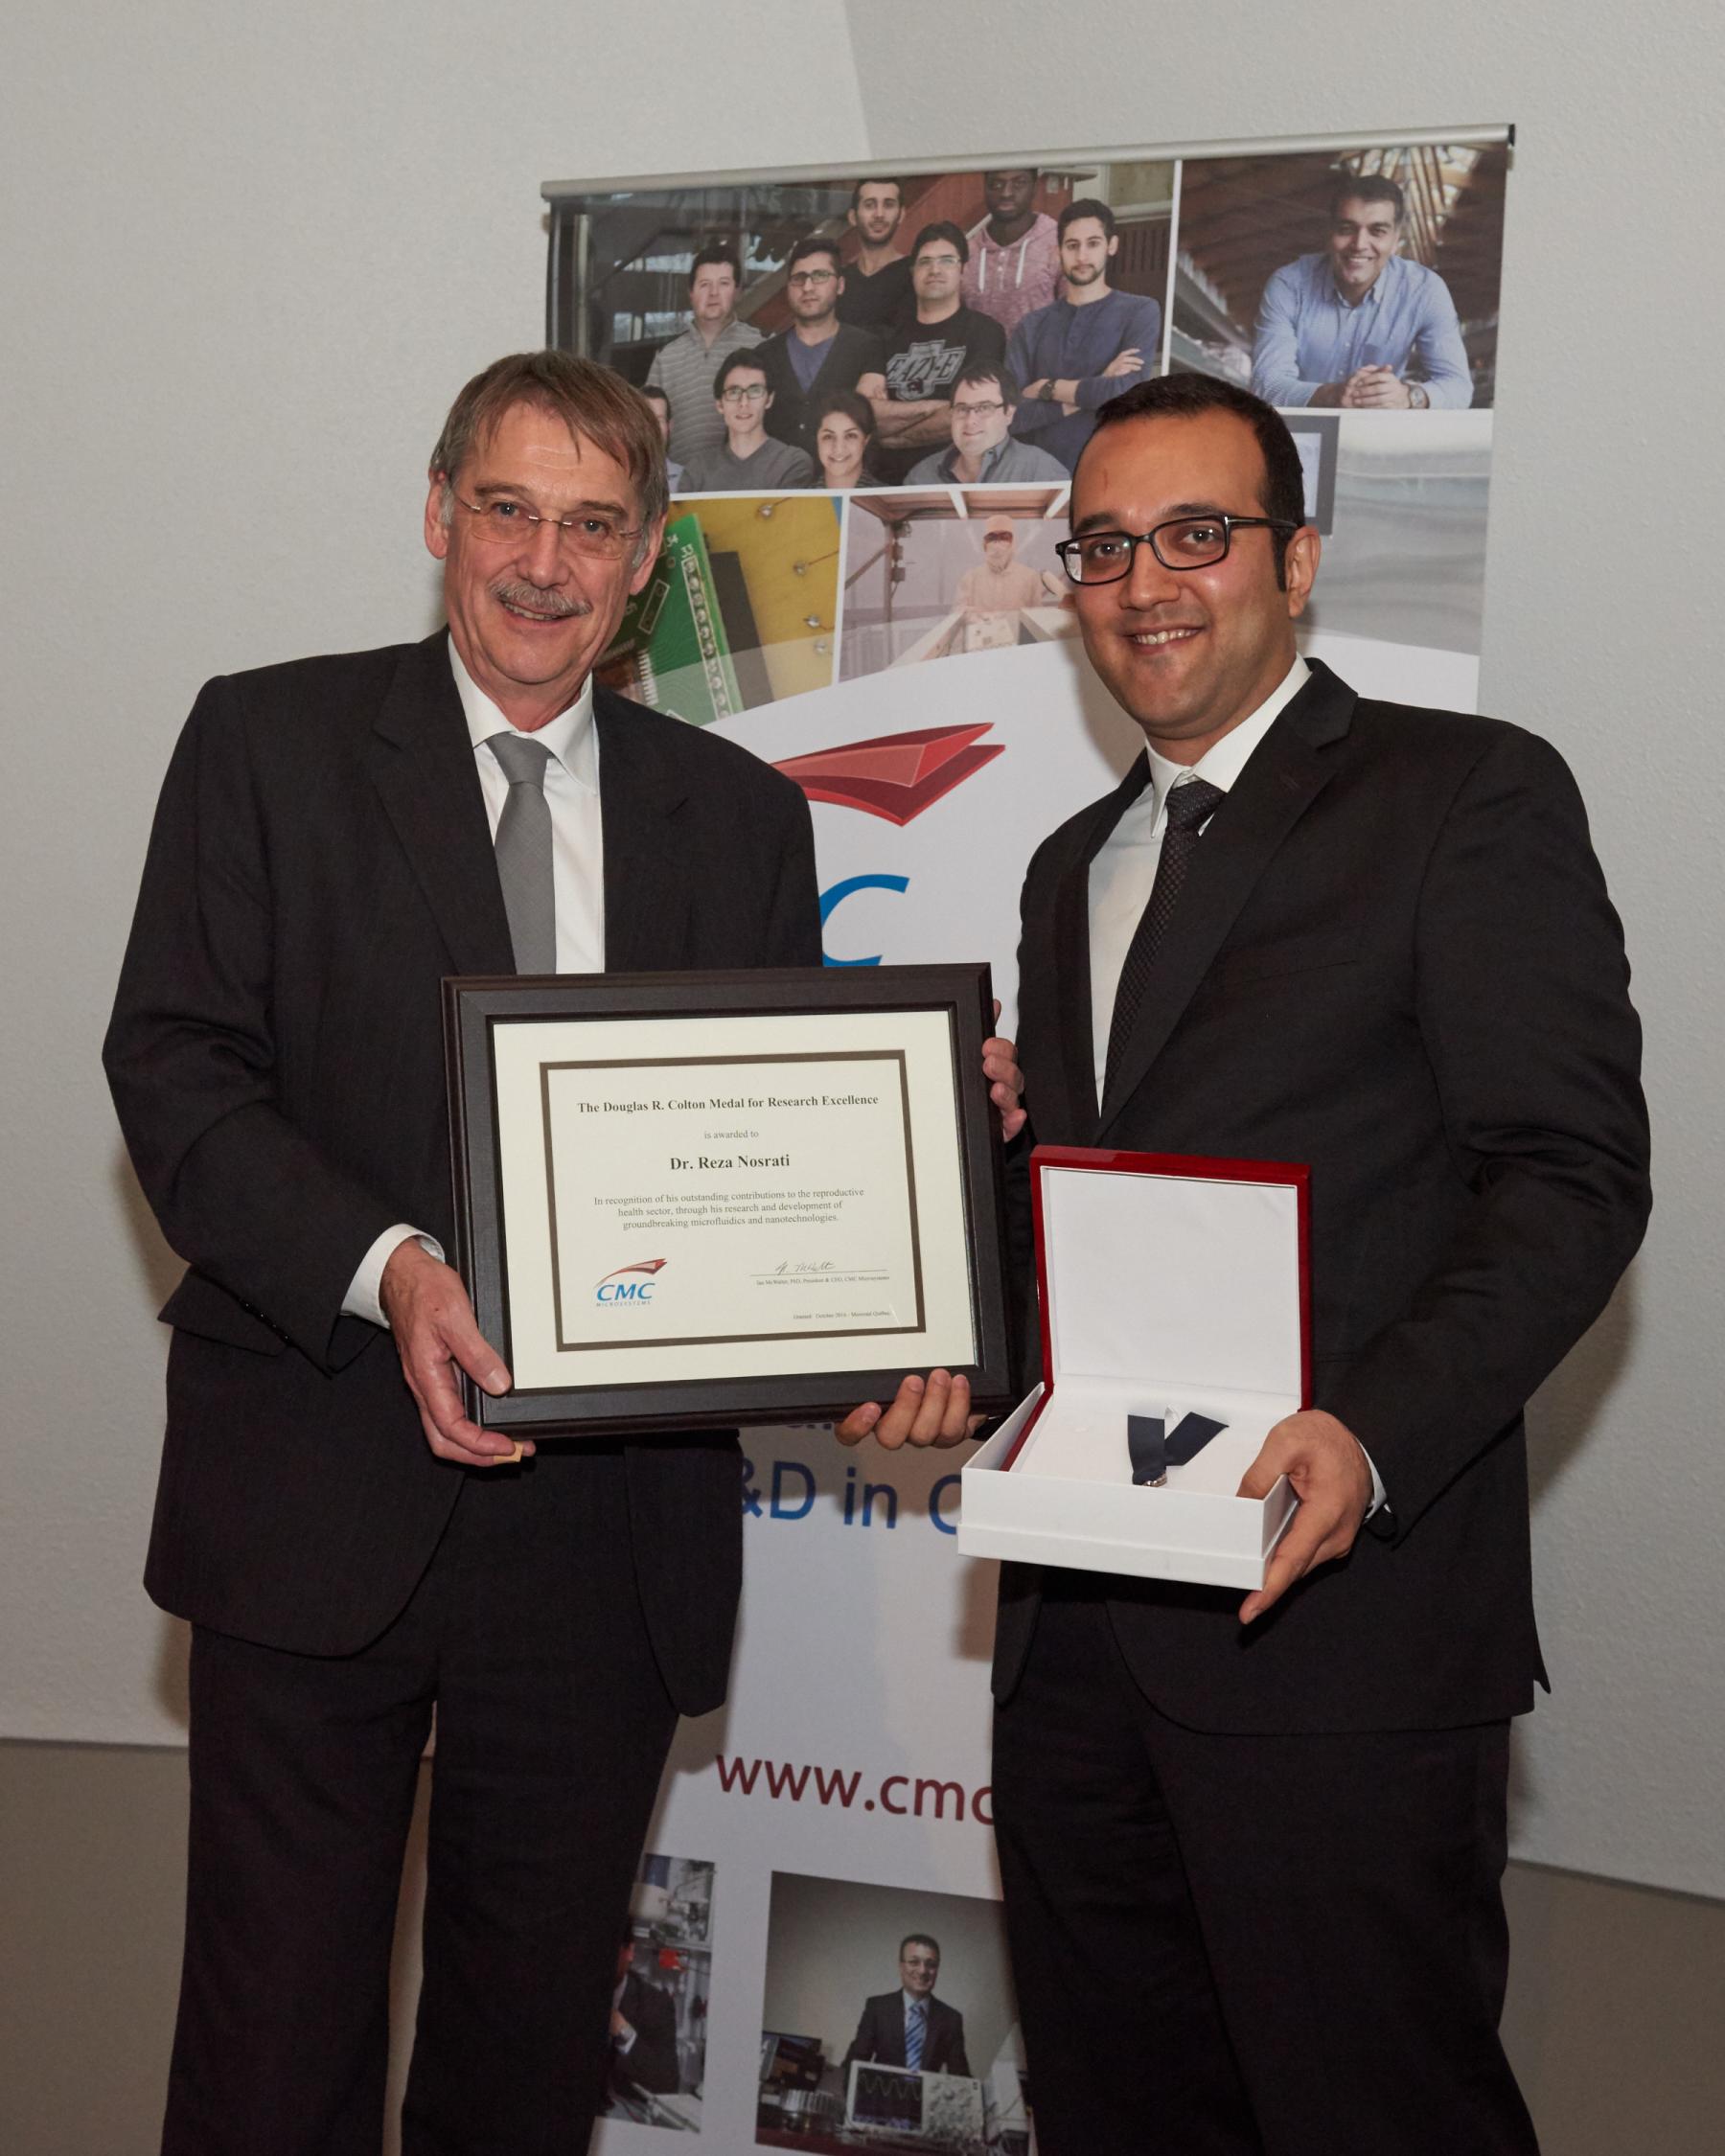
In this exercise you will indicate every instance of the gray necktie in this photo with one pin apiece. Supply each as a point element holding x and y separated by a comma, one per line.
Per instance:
<point>524,852</point>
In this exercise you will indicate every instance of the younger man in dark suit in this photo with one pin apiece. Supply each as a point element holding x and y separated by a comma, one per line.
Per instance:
<point>1385,951</point>
<point>910,2026</point>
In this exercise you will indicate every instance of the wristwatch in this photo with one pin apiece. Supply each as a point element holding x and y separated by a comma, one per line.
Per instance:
<point>1418,397</point>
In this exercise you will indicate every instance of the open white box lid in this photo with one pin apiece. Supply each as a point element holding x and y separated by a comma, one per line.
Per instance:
<point>1194,1269</point>
<point>1169,1284</point>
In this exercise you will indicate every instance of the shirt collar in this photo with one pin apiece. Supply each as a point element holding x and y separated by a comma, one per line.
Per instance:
<point>1223,762</point>
<point>569,736</point>
<point>911,1999</point>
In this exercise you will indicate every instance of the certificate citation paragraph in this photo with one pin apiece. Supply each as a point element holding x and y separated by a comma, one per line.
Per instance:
<point>727,1196</point>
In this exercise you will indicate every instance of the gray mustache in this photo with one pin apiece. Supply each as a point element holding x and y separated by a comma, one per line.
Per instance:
<point>556,606</point>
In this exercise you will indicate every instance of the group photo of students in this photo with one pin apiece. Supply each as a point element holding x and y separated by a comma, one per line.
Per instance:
<point>955,328</point>
<point>963,328</point>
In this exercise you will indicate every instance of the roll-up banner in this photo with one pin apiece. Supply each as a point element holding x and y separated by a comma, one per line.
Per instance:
<point>876,383</point>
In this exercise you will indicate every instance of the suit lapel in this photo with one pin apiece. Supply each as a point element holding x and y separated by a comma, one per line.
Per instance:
<point>421,764</point>
<point>1071,953</point>
<point>647,874</point>
<point>1283,776</point>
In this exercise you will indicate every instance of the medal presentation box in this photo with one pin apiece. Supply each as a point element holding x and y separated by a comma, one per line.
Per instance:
<point>1169,1285</point>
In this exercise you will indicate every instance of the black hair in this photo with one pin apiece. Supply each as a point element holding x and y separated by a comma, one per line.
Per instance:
<point>851,405</point>
<point>816,244</point>
<point>716,255</point>
<point>747,357</point>
<point>1086,206</point>
<point>990,370</point>
<point>877,179</point>
<point>1370,187</point>
<point>1187,397</point>
<point>942,230</point>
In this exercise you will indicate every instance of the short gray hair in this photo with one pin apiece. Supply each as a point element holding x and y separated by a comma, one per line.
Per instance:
<point>591,400</point>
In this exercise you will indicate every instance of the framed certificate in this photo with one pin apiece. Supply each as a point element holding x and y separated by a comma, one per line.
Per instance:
<point>688,1198</point>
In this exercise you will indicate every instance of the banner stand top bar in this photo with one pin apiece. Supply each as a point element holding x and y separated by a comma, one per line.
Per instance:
<point>1044,160</point>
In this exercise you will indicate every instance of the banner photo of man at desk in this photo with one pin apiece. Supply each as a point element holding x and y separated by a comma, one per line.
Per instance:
<point>887,2011</point>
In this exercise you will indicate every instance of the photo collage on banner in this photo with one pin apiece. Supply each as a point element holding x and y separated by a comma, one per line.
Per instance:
<point>875,385</point>
<point>664,1976</point>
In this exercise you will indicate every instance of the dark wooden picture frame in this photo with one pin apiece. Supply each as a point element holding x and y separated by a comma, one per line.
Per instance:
<point>476,1006</point>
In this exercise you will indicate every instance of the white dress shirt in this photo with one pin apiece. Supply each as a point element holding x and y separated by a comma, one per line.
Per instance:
<point>572,796</point>
<point>578,884</point>
<point>1123,872</point>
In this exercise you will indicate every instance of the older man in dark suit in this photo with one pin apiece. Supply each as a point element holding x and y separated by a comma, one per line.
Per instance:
<point>334,839</point>
<point>1260,1847</point>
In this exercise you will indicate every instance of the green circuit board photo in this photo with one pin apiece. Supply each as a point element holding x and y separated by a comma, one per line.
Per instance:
<point>673,650</point>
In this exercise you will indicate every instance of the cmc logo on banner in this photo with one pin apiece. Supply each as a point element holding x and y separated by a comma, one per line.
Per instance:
<point>837,893</point>
<point>621,1286</point>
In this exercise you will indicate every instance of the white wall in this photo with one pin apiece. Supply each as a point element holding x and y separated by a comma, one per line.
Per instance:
<point>248,263</point>
<point>249,257</point>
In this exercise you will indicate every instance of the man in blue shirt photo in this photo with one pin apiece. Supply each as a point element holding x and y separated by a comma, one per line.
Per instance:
<point>1087,347</point>
<point>1359,325</point>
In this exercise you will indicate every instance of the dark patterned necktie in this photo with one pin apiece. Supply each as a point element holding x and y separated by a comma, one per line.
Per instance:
<point>1191,802</point>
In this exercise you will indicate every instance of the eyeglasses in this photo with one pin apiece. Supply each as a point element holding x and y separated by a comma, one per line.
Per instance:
<point>735,394</point>
<point>977,411</point>
<point>937,261</point>
<point>504,522</point>
<point>813,277</point>
<point>1182,543</point>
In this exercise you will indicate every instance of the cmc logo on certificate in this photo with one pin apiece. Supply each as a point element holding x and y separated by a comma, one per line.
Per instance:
<point>622,1284</point>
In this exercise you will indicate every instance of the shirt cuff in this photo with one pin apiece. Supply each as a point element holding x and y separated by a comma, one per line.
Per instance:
<point>362,1300</point>
<point>626,2044</point>
<point>1378,1499</point>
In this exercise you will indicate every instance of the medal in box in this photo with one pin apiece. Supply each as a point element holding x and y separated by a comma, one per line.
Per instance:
<point>1176,1333</point>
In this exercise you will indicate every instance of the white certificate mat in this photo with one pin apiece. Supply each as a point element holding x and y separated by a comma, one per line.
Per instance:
<point>688,1198</point>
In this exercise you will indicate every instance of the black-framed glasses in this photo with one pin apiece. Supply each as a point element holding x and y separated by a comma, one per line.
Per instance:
<point>506,522</point>
<point>813,277</point>
<point>1182,543</point>
<point>981,410</point>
